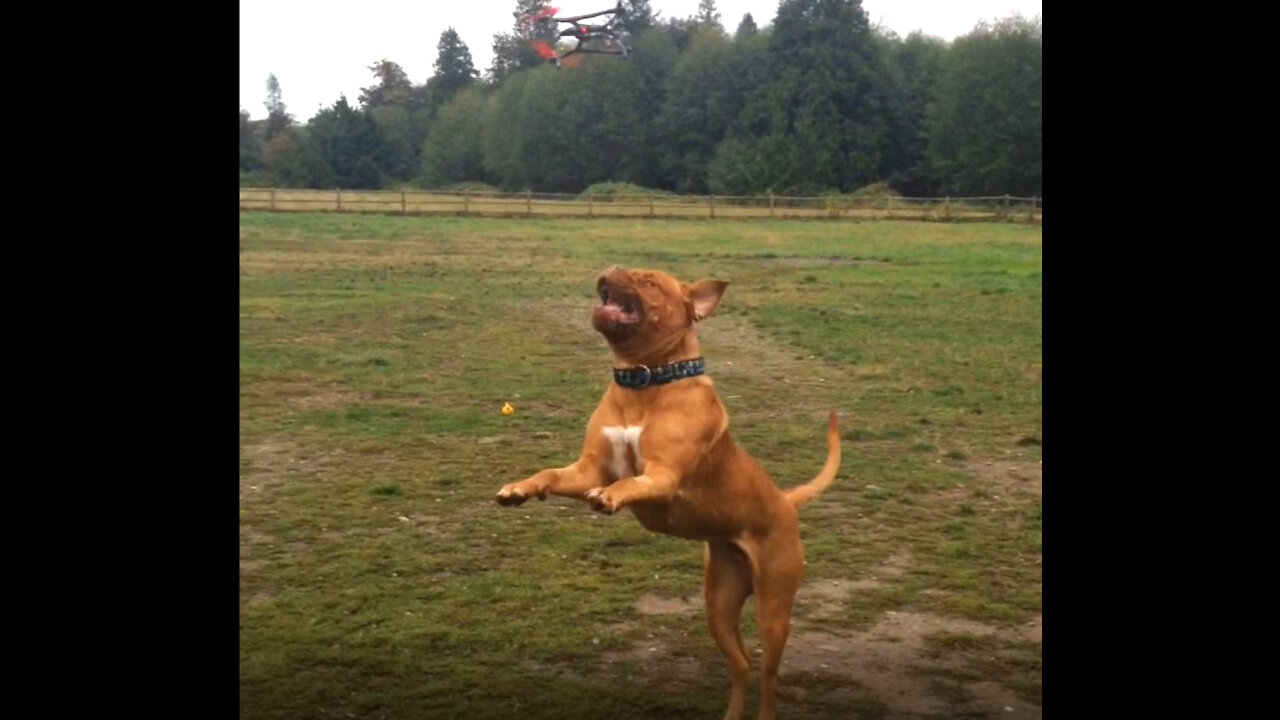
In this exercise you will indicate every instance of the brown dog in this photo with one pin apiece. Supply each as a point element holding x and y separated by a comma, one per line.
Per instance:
<point>659,443</point>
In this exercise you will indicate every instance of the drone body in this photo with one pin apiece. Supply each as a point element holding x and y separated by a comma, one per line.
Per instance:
<point>606,39</point>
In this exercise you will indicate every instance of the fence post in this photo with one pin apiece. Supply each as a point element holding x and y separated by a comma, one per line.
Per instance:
<point>889,206</point>
<point>591,205</point>
<point>711,201</point>
<point>466,202</point>
<point>650,206</point>
<point>339,195</point>
<point>273,198</point>
<point>1031,214</point>
<point>770,202</point>
<point>404,206</point>
<point>946,208</point>
<point>528,203</point>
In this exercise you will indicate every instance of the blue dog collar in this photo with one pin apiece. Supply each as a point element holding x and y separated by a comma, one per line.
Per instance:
<point>643,376</point>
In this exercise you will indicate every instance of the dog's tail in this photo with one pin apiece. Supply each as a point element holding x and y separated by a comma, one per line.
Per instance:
<point>812,489</point>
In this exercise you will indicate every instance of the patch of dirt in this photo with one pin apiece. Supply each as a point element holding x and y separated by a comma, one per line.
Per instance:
<point>1003,702</point>
<point>315,339</point>
<point>265,262</point>
<point>327,400</point>
<point>648,649</point>
<point>882,660</point>
<point>1031,630</point>
<point>644,652</point>
<point>1035,372</point>
<point>650,604</point>
<point>1010,475</point>
<point>269,453</point>
<point>249,536</point>
<point>826,598</point>
<point>431,525</point>
<point>271,458</point>
<point>888,663</point>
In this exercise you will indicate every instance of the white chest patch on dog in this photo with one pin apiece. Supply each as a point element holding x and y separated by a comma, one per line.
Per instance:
<point>626,460</point>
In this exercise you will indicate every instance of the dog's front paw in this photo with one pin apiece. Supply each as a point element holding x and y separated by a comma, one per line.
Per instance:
<point>517,494</point>
<point>602,501</point>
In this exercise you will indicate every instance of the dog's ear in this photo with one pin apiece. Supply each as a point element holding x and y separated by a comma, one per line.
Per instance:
<point>705,295</point>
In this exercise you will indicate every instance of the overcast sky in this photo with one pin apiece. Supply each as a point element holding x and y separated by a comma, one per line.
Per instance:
<point>319,49</point>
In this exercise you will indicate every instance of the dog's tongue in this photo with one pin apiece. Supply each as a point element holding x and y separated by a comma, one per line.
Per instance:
<point>615,313</point>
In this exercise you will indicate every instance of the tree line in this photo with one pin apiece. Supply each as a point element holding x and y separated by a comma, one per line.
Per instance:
<point>819,101</point>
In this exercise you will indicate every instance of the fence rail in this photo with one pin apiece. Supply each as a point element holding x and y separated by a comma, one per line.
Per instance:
<point>1004,208</point>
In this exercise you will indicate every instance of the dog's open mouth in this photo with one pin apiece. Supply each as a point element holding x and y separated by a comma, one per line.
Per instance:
<point>617,307</point>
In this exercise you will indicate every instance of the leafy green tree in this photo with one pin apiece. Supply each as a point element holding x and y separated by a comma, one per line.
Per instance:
<point>918,63</point>
<point>250,152</point>
<point>502,137</point>
<point>707,93</point>
<point>394,124</point>
<point>647,74</point>
<point>746,28</point>
<point>292,161</point>
<point>700,106</point>
<point>985,125</point>
<point>551,156</point>
<point>454,150</point>
<point>824,117</point>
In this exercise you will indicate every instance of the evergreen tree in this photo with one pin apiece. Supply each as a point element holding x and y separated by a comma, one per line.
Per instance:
<point>393,86</point>
<point>278,117</point>
<point>348,142</point>
<point>453,66</point>
<point>707,14</point>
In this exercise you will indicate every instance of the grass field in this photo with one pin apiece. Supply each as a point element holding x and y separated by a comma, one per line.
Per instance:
<point>379,580</point>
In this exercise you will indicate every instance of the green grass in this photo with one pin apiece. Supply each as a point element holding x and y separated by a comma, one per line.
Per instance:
<point>378,579</point>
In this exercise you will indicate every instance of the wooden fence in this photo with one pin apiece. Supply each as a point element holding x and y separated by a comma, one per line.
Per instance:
<point>1002,208</point>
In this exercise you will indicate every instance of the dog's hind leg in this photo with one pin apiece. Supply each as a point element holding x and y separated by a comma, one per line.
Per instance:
<point>779,567</point>
<point>728,583</point>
